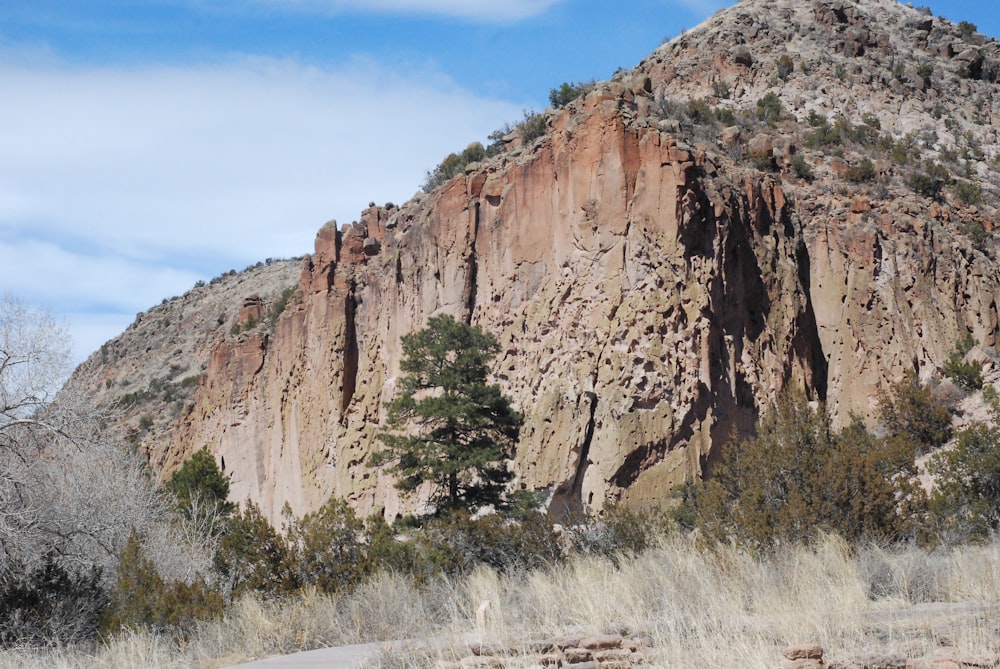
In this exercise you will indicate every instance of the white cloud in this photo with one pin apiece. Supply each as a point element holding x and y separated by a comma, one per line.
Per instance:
<point>480,10</point>
<point>119,186</point>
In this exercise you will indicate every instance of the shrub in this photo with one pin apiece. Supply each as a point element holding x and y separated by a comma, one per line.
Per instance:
<point>801,168</point>
<point>911,413</point>
<point>769,109</point>
<point>201,489</point>
<point>785,66</point>
<point>279,305</point>
<point>327,548</point>
<point>978,235</point>
<point>253,557</point>
<point>862,171</point>
<point>453,165</point>
<point>49,605</point>
<point>965,502</point>
<point>968,192</point>
<point>764,161</point>
<point>567,92</point>
<point>925,70</point>
<point>456,543</point>
<point>532,126</point>
<point>141,599</point>
<point>966,375</point>
<point>620,532</point>
<point>720,89</point>
<point>798,476</point>
<point>930,181</point>
<point>967,29</point>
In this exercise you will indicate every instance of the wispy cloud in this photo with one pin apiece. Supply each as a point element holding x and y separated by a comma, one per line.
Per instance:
<point>121,186</point>
<point>479,10</point>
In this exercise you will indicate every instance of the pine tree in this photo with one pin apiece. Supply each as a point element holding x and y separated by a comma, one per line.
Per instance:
<point>202,490</point>
<point>448,426</point>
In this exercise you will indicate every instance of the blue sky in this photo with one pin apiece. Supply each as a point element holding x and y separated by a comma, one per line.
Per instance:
<point>147,144</point>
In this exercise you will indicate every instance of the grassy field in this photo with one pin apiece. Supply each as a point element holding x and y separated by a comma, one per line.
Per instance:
<point>697,607</point>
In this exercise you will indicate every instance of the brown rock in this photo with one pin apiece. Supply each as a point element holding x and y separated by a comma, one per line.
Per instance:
<point>741,55</point>
<point>803,664</point>
<point>578,654</point>
<point>601,641</point>
<point>804,651</point>
<point>860,204</point>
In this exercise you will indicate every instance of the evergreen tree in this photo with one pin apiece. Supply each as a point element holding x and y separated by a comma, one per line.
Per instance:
<point>202,490</point>
<point>448,426</point>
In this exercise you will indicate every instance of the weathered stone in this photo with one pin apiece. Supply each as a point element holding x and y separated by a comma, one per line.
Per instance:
<point>741,54</point>
<point>804,651</point>
<point>601,641</point>
<point>804,663</point>
<point>730,135</point>
<point>578,654</point>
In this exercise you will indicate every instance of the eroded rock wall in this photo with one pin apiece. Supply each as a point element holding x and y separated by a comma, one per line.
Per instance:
<point>645,304</point>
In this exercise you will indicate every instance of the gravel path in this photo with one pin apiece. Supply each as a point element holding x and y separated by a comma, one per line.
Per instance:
<point>342,657</point>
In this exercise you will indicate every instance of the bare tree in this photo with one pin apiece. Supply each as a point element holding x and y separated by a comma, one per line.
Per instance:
<point>69,496</point>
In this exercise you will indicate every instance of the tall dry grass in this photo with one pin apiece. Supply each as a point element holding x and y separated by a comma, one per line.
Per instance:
<point>698,607</point>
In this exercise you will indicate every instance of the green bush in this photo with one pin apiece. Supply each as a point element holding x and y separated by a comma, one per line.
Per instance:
<point>201,489</point>
<point>965,503</point>
<point>253,557</point>
<point>279,305</point>
<point>721,89</point>
<point>801,168</point>
<point>966,375</point>
<point>532,126</point>
<point>567,92</point>
<point>141,599</point>
<point>978,235</point>
<point>862,171</point>
<point>967,29</point>
<point>798,476</point>
<point>785,66</point>
<point>456,543</point>
<point>620,532</point>
<point>968,192</point>
<point>929,181</point>
<point>329,549</point>
<point>763,161</point>
<point>49,605</point>
<point>911,413</point>
<point>769,109</point>
<point>453,165</point>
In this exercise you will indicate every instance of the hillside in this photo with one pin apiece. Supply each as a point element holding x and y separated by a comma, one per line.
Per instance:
<point>792,194</point>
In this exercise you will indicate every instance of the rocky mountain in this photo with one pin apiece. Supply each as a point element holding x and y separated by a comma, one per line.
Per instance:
<point>794,193</point>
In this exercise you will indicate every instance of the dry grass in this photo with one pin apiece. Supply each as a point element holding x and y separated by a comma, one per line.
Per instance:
<point>698,607</point>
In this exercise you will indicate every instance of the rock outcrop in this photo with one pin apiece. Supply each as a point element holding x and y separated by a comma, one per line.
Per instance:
<point>676,250</point>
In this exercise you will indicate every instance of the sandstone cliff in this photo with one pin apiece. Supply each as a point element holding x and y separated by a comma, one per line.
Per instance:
<point>667,258</point>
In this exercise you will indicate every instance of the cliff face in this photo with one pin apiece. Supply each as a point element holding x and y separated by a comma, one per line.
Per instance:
<point>645,304</point>
<point>655,276</point>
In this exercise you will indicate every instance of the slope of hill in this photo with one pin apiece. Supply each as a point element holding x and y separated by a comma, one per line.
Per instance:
<point>791,194</point>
